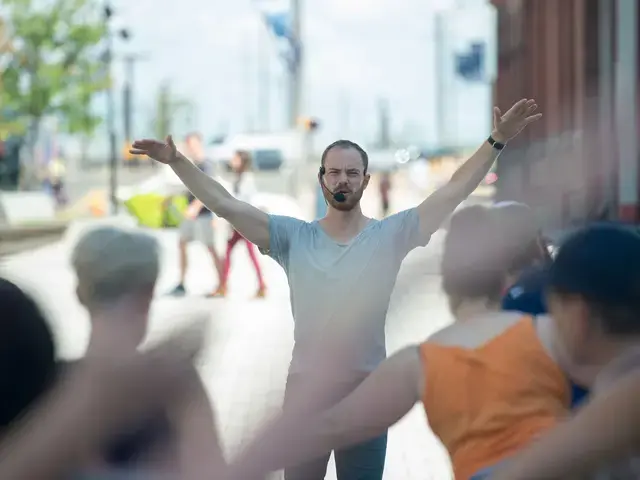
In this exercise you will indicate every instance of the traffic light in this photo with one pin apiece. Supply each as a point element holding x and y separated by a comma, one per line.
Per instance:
<point>310,124</point>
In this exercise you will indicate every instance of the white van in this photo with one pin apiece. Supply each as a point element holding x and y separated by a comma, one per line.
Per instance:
<point>269,151</point>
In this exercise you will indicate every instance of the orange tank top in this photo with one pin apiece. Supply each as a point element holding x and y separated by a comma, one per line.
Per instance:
<point>486,404</point>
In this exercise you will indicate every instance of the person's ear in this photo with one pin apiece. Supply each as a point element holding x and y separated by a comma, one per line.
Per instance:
<point>365,182</point>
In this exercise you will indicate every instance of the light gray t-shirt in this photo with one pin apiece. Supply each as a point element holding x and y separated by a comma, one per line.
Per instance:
<point>340,292</point>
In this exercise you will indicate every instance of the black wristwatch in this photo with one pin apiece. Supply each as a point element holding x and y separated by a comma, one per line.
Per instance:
<point>494,144</point>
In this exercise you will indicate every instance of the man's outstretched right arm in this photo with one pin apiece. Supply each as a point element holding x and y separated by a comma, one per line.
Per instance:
<point>252,223</point>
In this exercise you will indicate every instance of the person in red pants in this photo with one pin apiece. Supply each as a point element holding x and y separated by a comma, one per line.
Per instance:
<point>243,189</point>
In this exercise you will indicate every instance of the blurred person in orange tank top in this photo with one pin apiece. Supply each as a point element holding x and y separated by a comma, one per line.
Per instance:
<point>491,383</point>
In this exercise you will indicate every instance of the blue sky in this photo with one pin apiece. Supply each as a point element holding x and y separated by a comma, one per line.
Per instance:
<point>357,51</point>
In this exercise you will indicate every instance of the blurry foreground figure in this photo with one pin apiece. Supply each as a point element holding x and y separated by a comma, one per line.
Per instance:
<point>117,271</point>
<point>594,287</point>
<point>95,401</point>
<point>527,283</point>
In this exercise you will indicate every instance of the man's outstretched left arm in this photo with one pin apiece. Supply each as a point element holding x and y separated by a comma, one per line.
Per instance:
<point>439,205</point>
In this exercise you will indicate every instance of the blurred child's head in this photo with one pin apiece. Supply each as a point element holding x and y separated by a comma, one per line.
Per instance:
<point>521,227</point>
<point>594,292</point>
<point>112,264</point>
<point>474,264</point>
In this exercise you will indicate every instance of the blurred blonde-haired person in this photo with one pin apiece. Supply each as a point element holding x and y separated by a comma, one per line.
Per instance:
<point>116,272</point>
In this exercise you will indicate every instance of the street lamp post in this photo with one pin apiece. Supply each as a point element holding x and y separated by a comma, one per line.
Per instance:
<point>295,75</point>
<point>130,62</point>
<point>111,109</point>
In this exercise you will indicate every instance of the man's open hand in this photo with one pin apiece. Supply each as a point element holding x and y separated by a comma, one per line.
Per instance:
<point>507,126</point>
<point>163,152</point>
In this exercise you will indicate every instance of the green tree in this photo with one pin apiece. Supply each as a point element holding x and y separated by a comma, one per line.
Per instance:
<point>55,65</point>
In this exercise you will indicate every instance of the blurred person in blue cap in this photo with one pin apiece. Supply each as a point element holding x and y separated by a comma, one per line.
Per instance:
<point>594,300</point>
<point>527,273</point>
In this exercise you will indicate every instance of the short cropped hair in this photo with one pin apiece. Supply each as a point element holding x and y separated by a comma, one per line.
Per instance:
<point>112,262</point>
<point>476,258</point>
<point>346,145</point>
<point>521,228</point>
<point>601,265</point>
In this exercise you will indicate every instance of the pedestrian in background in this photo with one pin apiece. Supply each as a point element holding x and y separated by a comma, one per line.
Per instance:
<point>244,189</point>
<point>197,225</point>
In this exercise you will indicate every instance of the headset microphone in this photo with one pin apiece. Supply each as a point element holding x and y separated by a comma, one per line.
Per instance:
<point>339,196</point>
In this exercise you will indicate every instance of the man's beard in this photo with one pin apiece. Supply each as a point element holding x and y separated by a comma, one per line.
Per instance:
<point>352,200</point>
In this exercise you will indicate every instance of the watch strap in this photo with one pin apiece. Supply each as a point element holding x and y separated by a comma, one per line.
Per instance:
<point>495,144</point>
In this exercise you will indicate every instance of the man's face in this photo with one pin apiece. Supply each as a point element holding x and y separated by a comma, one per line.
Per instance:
<point>344,173</point>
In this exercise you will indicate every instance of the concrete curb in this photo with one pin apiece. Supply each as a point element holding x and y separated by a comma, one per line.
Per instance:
<point>22,232</point>
<point>18,239</point>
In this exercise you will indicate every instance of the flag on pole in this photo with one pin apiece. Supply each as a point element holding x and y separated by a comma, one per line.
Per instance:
<point>276,15</point>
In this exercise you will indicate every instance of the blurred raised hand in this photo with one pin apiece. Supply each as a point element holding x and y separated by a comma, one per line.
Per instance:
<point>164,152</point>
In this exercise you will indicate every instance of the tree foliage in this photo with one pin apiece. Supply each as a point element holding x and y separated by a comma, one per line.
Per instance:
<point>54,65</point>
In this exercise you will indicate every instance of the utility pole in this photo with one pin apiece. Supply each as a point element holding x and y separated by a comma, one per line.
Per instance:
<point>295,71</point>
<point>441,81</point>
<point>249,92</point>
<point>384,131</point>
<point>111,119</point>
<point>130,62</point>
<point>111,107</point>
<point>263,76</point>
